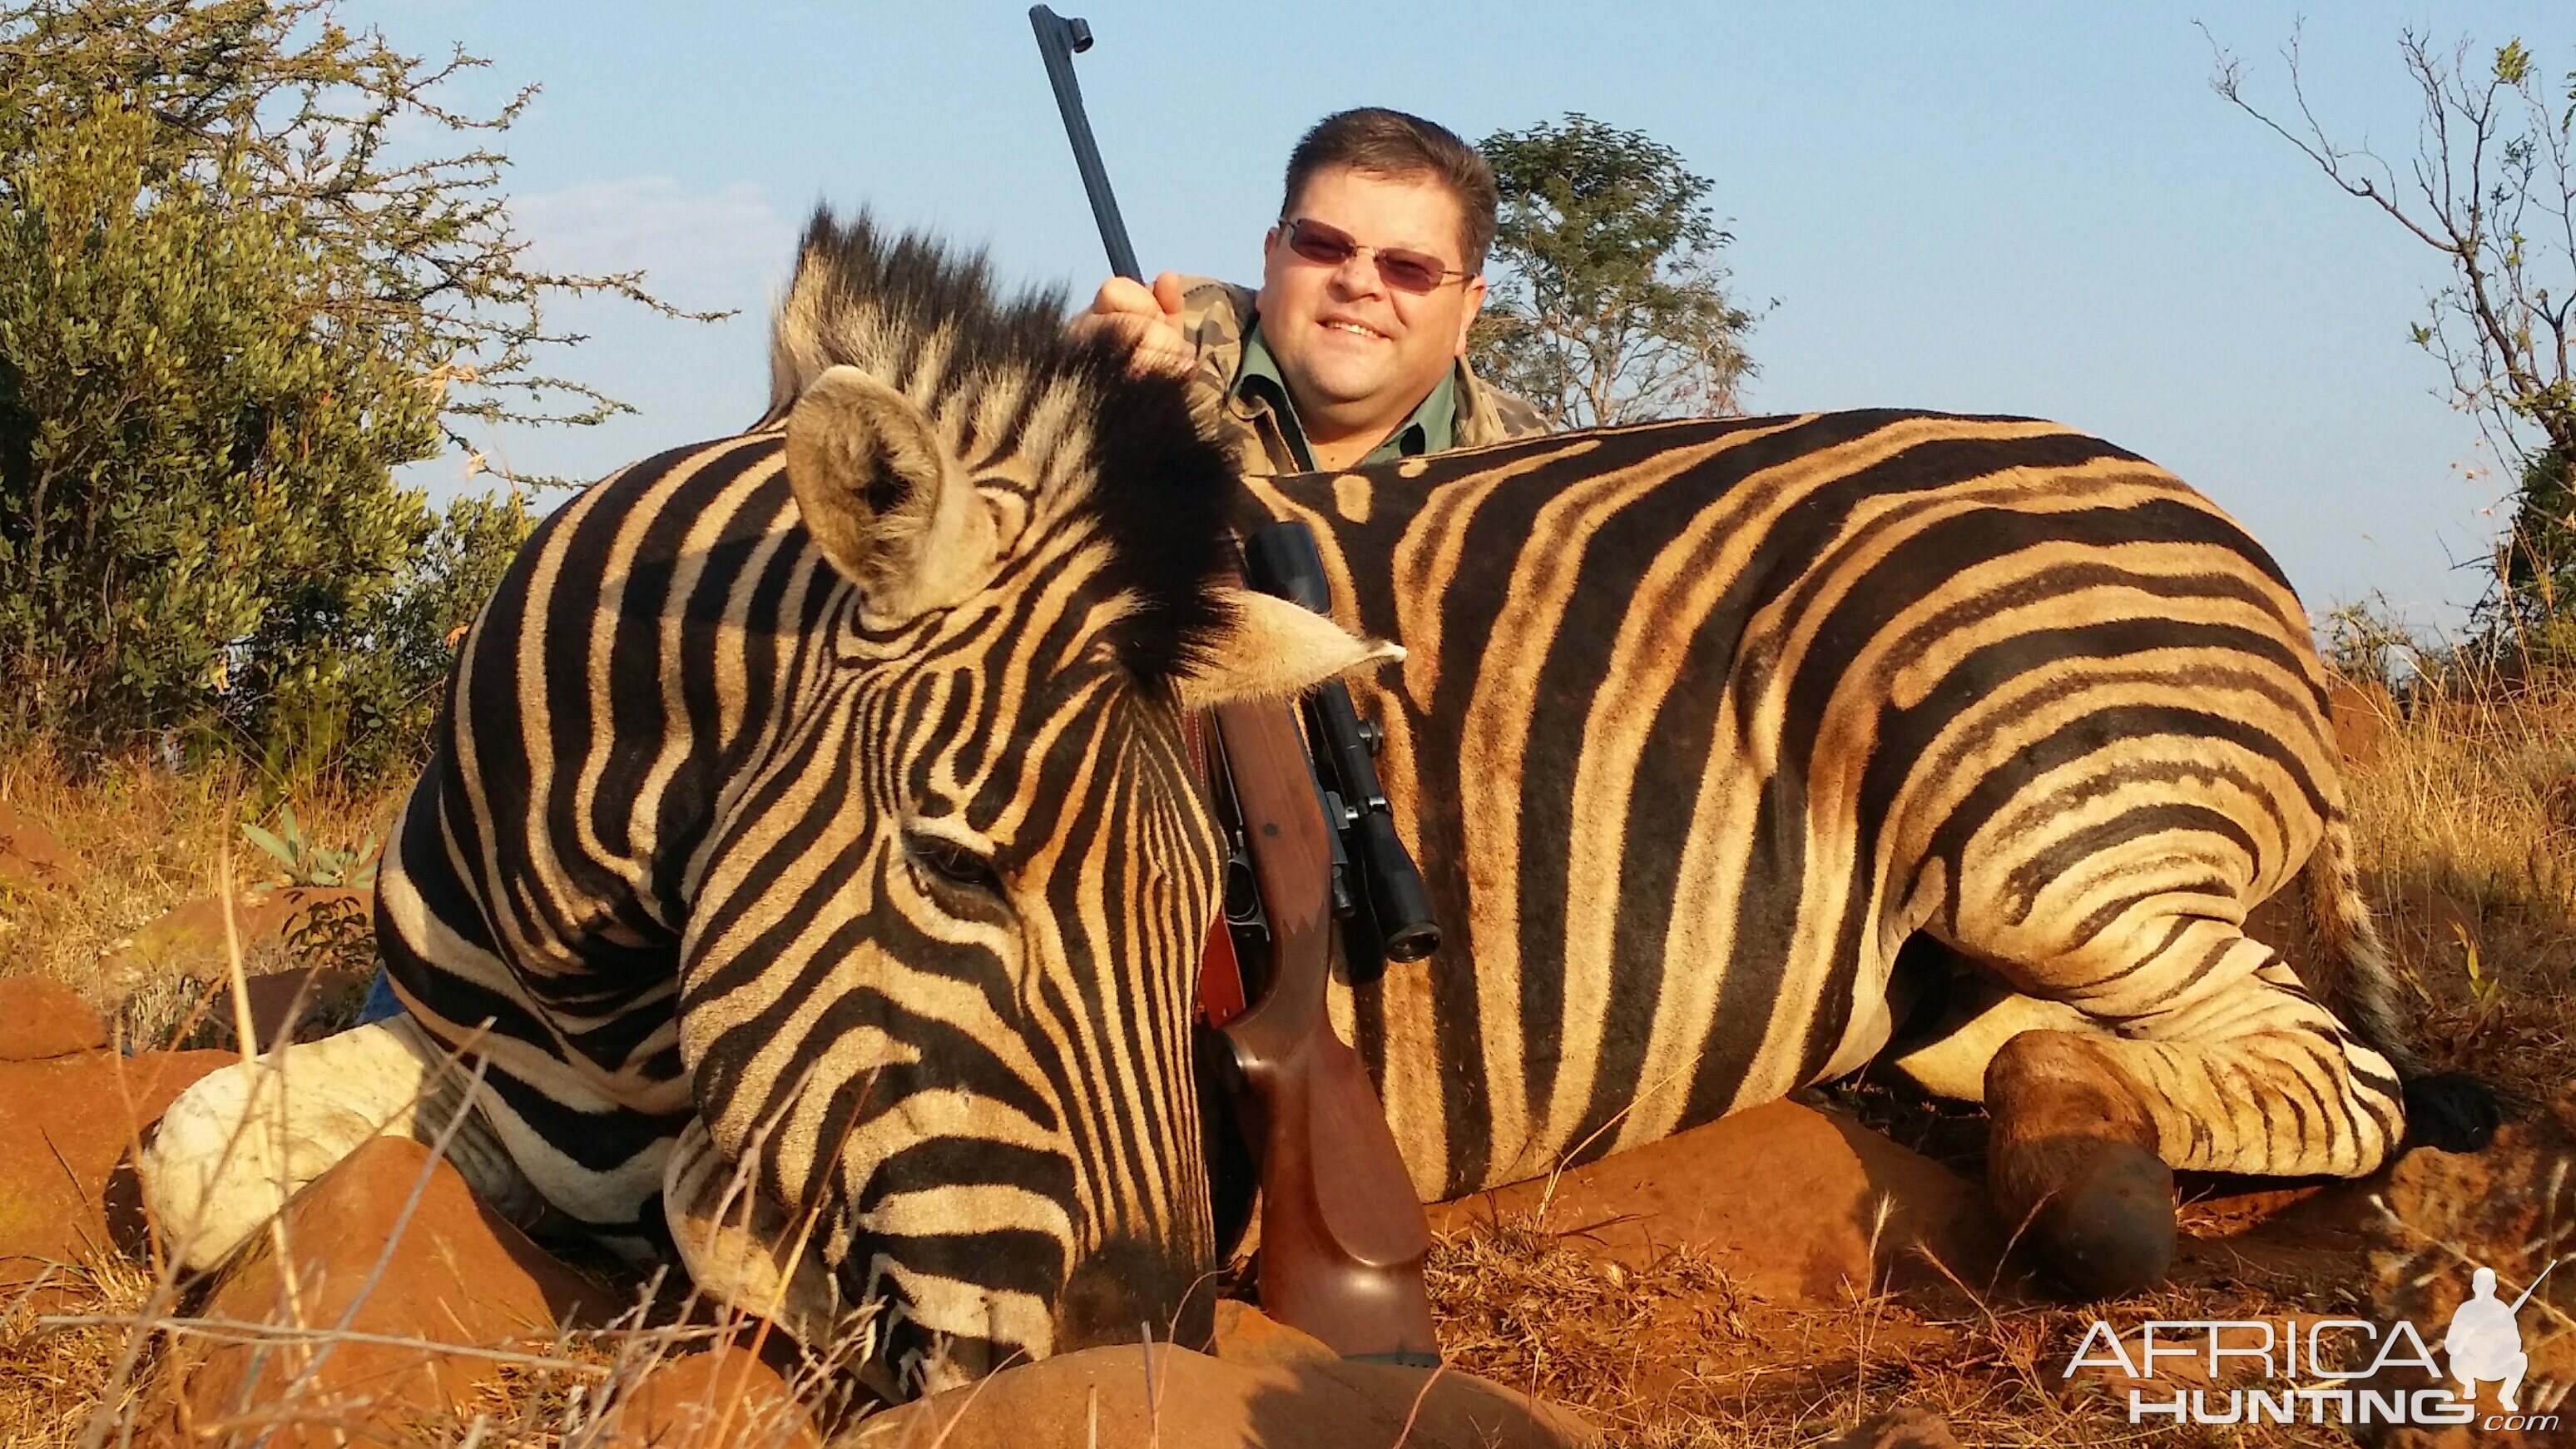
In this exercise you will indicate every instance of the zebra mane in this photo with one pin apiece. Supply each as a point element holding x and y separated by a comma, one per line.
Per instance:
<point>994,373</point>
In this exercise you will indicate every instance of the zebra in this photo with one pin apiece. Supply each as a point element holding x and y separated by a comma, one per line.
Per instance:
<point>1700,723</point>
<point>810,873</point>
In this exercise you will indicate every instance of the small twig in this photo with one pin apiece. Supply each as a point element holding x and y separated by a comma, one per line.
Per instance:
<point>1153,1392</point>
<point>1418,1396</point>
<point>1547,1195</point>
<point>233,1330</point>
<point>246,1037</point>
<point>411,1204</point>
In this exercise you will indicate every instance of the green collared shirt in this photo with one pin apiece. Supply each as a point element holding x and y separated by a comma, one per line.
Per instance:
<point>1432,428</point>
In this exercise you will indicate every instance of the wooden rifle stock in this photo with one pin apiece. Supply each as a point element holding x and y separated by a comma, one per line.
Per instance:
<point>1342,1234</point>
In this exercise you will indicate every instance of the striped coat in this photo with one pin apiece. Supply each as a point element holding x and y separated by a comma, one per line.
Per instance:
<point>1699,723</point>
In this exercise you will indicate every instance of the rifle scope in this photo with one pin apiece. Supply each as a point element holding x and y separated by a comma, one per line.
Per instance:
<point>1281,559</point>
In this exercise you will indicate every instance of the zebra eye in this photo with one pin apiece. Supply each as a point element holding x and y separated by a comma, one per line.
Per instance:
<point>951,863</point>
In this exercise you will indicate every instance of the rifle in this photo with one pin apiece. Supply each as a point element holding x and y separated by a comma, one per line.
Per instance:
<point>1342,1233</point>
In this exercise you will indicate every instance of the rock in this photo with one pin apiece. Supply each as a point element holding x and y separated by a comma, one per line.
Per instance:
<point>189,939</point>
<point>2511,1208</point>
<point>1783,1198</point>
<point>1246,1335</point>
<point>2363,715</point>
<point>1284,1396</point>
<point>726,1399</point>
<point>1907,1428</point>
<point>30,857</point>
<point>67,1131</point>
<point>456,1275</point>
<point>305,1004</point>
<point>42,1019</point>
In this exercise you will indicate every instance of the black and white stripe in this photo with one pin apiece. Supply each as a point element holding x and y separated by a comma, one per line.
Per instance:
<point>1701,722</point>
<point>903,905</point>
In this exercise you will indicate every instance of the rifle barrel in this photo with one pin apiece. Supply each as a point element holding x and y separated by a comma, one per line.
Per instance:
<point>1059,39</point>
<point>2535,1286</point>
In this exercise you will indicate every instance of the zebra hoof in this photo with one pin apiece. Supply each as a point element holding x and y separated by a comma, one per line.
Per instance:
<point>2109,1232</point>
<point>2072,1166</point>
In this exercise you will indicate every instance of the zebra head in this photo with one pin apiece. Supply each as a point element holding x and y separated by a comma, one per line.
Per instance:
<point>937,988</point>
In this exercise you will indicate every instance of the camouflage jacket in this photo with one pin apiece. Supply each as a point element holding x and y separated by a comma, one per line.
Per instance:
<point>1215,315</point>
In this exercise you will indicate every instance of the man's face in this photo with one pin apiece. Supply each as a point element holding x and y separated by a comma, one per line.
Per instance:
<point>1354,348</point>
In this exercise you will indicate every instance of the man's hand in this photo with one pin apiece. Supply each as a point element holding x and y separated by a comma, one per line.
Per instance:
<point>1149,320</point>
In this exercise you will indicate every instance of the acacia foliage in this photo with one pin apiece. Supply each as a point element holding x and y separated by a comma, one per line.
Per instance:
<point>1609,302</point>
<point>196,477</point>
<point>2491,189</point>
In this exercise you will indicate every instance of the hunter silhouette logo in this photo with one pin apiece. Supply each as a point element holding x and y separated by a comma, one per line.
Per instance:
<point>2485,1341</point>
<point>2298,1365</point>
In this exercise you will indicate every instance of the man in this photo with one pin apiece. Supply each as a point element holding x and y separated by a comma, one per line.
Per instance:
<point>1354,349</point>
<point>2485,1344</point>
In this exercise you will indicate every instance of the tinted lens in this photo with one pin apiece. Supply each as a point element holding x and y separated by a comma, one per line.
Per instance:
<point>1409,271</point>
<point>1320,244</point>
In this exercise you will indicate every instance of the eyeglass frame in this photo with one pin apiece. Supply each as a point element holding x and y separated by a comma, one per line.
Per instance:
<point>1351,246</point>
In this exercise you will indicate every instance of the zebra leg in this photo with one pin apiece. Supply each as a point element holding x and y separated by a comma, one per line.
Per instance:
<point>2216,1059</point>
<point>234,1147</point>
<point>2072,1166</point>
<point>1977,1018</point>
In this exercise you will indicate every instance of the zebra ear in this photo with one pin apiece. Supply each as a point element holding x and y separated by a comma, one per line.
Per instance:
<point>881,500</point>
<point>1272,649</point>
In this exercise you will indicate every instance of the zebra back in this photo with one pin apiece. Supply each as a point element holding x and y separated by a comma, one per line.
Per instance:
<point>1700,721</point>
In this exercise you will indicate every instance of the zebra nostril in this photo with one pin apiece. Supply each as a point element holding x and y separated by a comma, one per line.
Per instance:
<point>1128,1286</point>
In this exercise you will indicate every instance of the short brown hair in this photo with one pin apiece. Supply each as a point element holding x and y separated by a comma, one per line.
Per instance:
<point>1391,143</point>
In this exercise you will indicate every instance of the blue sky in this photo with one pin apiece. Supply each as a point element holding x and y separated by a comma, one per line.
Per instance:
<point>2028,208</point>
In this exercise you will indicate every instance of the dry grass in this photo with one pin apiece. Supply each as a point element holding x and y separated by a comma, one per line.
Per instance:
<point>71,1376</point>
<point>1523,1308</point>
<point>52,1380</point>
<point>2466,828</point>
<point>147,841</point>
<point>1671,1356</point>
<point>81,1349</point>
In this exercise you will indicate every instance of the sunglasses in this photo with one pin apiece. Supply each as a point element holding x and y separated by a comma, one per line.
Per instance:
<point>1404,270</point>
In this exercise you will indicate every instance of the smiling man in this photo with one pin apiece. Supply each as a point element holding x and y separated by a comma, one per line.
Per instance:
<point>1354,350</point>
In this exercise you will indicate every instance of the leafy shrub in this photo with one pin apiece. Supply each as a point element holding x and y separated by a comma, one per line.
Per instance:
<point>196,477</point>
<point>255,259</point>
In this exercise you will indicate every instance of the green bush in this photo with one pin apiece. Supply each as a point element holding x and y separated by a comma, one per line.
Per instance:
<point>251,261</point>
<point>201,540</point>
<point>2533,609</point>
